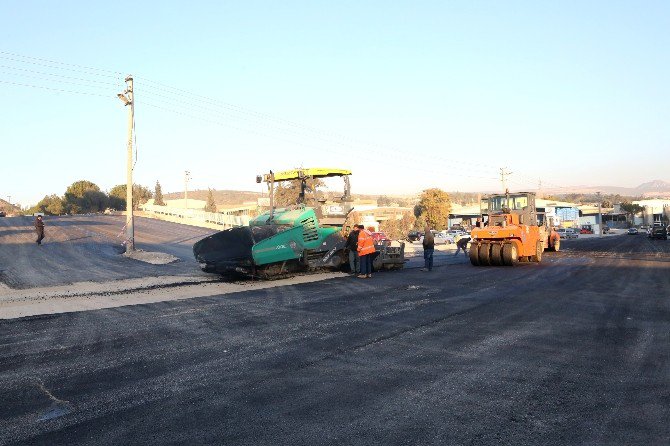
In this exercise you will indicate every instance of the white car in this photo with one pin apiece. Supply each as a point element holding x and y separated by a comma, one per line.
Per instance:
<point>567,233</point>
<point>440,239</point>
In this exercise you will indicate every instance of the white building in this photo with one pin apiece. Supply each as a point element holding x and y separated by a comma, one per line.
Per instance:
<point>655,211</point>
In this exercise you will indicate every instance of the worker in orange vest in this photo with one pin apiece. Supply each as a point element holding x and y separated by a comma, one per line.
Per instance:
<point>366,250</point>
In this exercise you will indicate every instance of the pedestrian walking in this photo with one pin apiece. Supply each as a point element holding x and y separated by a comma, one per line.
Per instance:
<point>352,246</point>
<point>39,229</point>
<point>366,250</point>
<point>462,244</point>
<point>428,249</point>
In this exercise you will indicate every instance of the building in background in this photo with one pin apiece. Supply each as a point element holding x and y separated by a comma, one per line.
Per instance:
<point>655,211</point>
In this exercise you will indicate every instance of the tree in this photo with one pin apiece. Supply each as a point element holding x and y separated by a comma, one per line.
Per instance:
<point>287,192</point>
<point>84,196</point>
<point>49,205</point>
<point>158,195</point>
<point>118,196</point>
<point>79,188</point>
<point>211,204</point>
<point>397,229</point>
<point>435,205</point>
<point>631,209</point>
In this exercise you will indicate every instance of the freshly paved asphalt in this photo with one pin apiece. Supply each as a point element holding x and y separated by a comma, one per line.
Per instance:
<point>575,350</point>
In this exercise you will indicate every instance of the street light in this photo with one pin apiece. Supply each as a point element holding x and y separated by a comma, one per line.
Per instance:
<point>123,98</point>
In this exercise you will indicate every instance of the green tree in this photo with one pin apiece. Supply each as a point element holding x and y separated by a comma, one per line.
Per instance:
<point>631,209</point>
<point>287,192</point>
<point>84,196</point>
<point>49,205</point>
<point>118,196</point>
<point>211,204</point>
<point>79,188</point>
<point>158,195</point>
<point>435,205</point>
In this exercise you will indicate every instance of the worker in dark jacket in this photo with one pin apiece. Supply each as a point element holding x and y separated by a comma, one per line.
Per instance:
<point>352,246</point>
<point>462,243</point>
<point>39,228</point>
<point>428,249</point>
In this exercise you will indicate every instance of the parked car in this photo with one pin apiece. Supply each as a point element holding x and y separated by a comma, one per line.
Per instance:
<point>606,229</point>
<point>443,239</point>
<point>658,232</point>
<point>2,213</point>
<point>379,237</point>
<point>586,229</point>
<point>453,233</point>
<point>414,236</point>
<point>440,238</point>
<point>567,232</point>
<point>632,231</point>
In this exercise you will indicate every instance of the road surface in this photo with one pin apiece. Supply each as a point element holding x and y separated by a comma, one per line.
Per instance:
<point>575,350</point>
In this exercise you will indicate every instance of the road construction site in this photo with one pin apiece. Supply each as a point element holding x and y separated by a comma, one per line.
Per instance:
<point>99,348</point>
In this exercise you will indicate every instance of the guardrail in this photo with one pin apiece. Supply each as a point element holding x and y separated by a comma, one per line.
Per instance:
<point>197,216</point>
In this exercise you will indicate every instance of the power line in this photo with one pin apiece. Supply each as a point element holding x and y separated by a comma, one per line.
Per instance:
<point>377,160</point>
<point>56,62</point>
<point>59,81</point>
<point>231,111</point>
<point>116,84</point>
<point>236,108</point>
<point>60,90</point>
<point>253,117</point>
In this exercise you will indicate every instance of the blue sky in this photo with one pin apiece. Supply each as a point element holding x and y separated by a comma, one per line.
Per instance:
<point>408,95</point>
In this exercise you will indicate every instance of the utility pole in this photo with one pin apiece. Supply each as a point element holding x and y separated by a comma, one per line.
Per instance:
<point>9,199</point>
<point>600,216</point>
<point>187,176</point>
<point>504,173</point>
<point>127,98</point>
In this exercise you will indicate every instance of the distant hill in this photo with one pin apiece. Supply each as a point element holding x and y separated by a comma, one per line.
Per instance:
<point>8,208</point>
<point>652,189</point>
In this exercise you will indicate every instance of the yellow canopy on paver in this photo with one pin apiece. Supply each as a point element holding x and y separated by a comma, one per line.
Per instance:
<point>314,172</point>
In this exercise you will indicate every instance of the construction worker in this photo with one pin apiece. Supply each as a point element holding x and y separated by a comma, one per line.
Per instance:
<point>462,243</point>
<point>366,250</point>
<point>428,249</point>
<point>352,246</point>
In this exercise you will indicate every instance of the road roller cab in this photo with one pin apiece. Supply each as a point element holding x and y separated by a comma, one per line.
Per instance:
<point>511,232</point>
